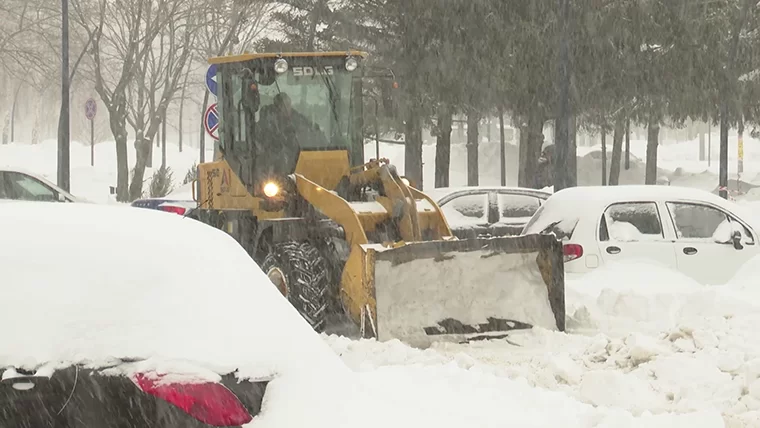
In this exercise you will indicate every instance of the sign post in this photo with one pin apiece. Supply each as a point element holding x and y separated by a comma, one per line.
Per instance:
<point>90,111</point>
<point>211,122</point>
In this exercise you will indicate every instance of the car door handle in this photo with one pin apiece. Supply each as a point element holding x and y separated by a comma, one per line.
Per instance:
<point>690,251</point>
<point>613,250</point>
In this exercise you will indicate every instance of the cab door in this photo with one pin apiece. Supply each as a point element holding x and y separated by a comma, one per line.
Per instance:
<point>702,254</point>
<point>630,231</point>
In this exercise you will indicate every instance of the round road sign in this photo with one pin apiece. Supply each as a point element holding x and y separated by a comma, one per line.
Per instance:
<point>211,122</point>
<point>90,109</point>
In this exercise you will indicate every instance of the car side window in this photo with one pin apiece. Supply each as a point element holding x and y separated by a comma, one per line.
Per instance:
<point>472,208</point>
<point>4,194</point>
<point>514,207</point>
<point>27,188</point>
<point>630,222</point>
<point>697,221</point>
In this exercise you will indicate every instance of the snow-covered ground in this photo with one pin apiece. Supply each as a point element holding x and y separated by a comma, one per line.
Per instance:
<point>93,182</point>
<point>641,339</point>
<point>645,347</point>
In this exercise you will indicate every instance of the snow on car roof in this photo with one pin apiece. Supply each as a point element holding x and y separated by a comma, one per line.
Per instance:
<point>439,193</point>
<point>568,205</point>
<point>94,283</point>
<point>611,194</point>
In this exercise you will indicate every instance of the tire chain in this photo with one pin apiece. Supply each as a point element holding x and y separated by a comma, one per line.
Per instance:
<point>308,269</point>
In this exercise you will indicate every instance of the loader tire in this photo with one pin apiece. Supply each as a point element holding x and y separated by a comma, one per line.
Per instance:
<point>301,274</point>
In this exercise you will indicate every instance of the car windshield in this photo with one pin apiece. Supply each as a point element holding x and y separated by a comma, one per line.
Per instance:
<point>551,221</point>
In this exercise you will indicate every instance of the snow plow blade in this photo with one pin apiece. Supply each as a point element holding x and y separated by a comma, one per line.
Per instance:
<point>463,290</point>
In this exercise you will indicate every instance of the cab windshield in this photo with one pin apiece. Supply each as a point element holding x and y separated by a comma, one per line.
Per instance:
<point>274,116</point>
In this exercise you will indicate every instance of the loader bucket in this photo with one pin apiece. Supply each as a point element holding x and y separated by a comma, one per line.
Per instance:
<point>462,290</point>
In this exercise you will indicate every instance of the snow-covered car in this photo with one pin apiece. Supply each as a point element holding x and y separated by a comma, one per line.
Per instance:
<point>695,232</point>
<point>487,211</point>
<point>180,201</point>
<point>160,344</point>
<point>16,184</point>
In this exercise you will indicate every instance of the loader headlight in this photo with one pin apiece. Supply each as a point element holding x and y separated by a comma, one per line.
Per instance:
<point>351,64</point>
<point>280,66</point>
<point>271,189</point>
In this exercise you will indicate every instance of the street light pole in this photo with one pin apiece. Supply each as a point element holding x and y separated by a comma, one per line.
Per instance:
<point>64,131</point>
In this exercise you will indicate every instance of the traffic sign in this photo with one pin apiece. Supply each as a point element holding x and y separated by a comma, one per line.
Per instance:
<point>211,79</point>
<point>211,122</point>
<point>90,109</point>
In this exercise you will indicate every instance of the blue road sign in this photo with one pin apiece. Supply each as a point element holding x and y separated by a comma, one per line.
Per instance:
<point>211,79</point>
<point>211,122</point>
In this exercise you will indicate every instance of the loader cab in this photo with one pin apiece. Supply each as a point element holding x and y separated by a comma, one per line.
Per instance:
<point>273,107</point>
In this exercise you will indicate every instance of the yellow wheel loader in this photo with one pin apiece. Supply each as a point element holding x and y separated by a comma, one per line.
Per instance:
<point>350,242</point>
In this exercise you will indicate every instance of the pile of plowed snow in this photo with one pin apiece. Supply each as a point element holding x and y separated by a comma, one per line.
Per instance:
<point>641,339</point>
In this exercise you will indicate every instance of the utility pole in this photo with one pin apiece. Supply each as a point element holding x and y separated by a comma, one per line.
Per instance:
<point>562,124</point>
<point>64,131</point>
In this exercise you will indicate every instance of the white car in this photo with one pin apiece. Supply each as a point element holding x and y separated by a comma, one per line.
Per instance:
<point>16,184</point>
<point>487,210</point>
<point>695,232</point>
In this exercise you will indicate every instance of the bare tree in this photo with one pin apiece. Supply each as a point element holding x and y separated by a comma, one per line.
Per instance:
<point>123,33</point>
<point>158,78</point>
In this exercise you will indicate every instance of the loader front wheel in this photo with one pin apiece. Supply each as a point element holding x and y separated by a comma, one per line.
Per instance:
<point>301,274</point>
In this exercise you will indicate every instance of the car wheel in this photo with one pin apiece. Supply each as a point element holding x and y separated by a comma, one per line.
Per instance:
<point>300,273</point>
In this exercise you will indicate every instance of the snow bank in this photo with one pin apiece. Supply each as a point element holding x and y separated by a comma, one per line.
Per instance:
<point>646,346</point>
<point>93,182</point>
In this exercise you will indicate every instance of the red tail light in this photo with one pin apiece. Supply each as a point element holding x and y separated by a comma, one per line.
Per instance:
<point>172,209</point>
<point>572,252</point>
<point>209,402</point>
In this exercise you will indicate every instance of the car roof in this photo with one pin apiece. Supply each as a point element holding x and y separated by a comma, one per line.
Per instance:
<point>440,193</point>
<point>594,198</point>
<point>116,282</point>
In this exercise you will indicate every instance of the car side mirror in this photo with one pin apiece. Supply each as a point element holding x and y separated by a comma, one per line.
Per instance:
<point>736,238</point>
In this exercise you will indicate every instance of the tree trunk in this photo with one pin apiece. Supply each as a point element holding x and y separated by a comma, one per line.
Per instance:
<point>617,151</point>
<point>149,159</point>
<point>653,135</point>
<point>202,141</point>
<point>443,149</point>
<point>117,121</point>
<point>472,149</point>
<point>503,149</point>
<point>143,148</point>
<point>701,145</point>
<point>163,143</point>
<point>522,152</point>
<point>723,174</point>
<point>628,144</point>
<point>572,157</point>
<point>182,110</point>
<point>531,142</point>
<point>604,157</point>
<point>413,148</point>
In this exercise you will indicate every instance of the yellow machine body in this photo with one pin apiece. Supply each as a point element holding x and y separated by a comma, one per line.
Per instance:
<point>419,285</point>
